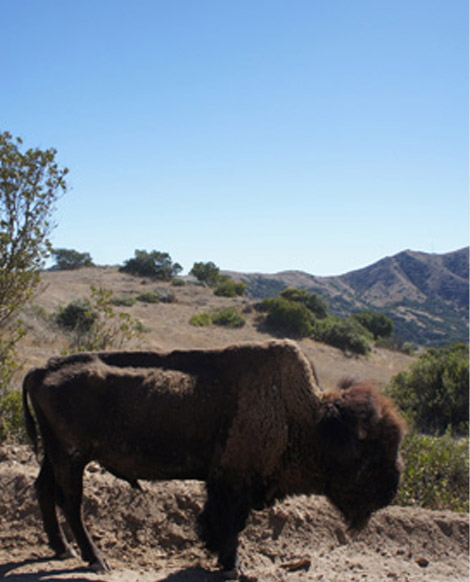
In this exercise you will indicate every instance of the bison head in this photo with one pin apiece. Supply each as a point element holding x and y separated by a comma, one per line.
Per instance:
<point>359,433</point>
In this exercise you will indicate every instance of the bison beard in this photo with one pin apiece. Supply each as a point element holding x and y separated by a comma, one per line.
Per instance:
<point>249,420</point>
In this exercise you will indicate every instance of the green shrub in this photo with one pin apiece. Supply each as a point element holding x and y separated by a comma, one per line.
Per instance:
<point>433,393</point>
<point>377,323</point>
<point>345,334</point>
<point>178,282</point>
<point>228,317</point>
<point>287,317</point>
<point>201,320</point>
<point>94,324</point>
<point>123,301</point>
<point>436,473</point>
<point>312,301</point>
<point>230,288</point>
<point>12,426</point>
<point>77,315</point>
<point>148,297</point>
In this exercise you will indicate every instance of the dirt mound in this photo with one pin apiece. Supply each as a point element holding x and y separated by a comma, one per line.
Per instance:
<point>150,536</point>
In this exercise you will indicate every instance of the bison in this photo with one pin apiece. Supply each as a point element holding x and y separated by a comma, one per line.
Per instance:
<point>249,420</point>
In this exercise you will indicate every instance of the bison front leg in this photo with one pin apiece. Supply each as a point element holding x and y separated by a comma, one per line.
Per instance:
<point>223,518</point>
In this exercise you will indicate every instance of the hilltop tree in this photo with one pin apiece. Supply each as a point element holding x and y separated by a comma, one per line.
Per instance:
<point>156,265</point>
<point>30,184</point>
<point>69,260</point>
<point>207,273</point>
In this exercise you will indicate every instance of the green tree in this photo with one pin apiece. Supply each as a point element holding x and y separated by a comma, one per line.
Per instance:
<point>207,273</point>
<point>377,323</point>
<point>30,183</point>
<point>69,260</point>
<point>156,265</point>
<point>433,393</point>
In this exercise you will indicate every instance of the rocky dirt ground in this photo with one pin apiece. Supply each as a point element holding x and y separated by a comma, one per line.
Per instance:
<point>149,536</point>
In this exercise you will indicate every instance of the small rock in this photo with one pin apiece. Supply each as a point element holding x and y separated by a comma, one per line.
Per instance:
<point>300,564</point>
<point>422,562</point>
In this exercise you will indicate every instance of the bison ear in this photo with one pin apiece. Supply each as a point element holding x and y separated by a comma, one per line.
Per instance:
<point>338,432</point>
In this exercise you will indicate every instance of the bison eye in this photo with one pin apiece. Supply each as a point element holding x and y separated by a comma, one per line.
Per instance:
<point>338,439</point>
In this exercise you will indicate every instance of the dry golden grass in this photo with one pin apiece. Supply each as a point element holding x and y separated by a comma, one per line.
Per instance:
<point>168,324</point>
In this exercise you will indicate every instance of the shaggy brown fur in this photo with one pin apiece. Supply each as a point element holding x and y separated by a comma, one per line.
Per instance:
<point>249,420</point>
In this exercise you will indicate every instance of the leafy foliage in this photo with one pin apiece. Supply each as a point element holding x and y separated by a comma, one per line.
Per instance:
<point>300,313</point>
<point>207,273</point>
<point>312,301</point>
<point>30,183</point>
<point>290,318</point>
<point>12,426</point>
<point>78,316</point>
<point>230,288</point>
<point>436,473</point>
<point>148,297</point>
<point>9,363</point>
<point>433,393</point>
<point>346,334</point>
<point>228,317</point>
<point>123,301</point>
<point>69,260</point>
<point>377,323</point>
<point>178,282</point>
<point>156,265</point>
<point>97,325</point>
<point>201,320</point>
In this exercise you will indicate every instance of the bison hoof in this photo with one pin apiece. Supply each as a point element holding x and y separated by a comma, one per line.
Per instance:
<point>69,552</point>
<point>230,574</point>
<point>99,566</point>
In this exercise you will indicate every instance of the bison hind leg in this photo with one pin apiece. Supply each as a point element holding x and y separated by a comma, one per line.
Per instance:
<point>69,477</point>
<point>46,491</point>
<point>222,519</point>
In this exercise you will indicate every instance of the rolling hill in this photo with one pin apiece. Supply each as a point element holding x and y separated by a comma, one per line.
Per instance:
<point>426,295</point>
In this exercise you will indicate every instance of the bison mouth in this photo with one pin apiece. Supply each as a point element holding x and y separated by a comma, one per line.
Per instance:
<point>357,504</point>
<point>355,517</point>
<point>358,520</point>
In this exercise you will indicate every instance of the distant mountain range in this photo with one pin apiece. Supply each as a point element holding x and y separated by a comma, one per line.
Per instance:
<point>426,295</point>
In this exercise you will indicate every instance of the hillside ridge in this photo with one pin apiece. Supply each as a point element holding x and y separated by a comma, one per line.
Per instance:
<point>426,294</point>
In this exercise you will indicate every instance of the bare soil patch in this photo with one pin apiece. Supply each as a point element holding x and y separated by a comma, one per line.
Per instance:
<point>150,536</point>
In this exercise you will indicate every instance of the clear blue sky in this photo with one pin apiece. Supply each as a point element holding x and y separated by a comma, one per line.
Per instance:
<point>263,135</point>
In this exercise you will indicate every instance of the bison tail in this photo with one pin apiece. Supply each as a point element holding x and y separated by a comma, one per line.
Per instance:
<point>32,378</point>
